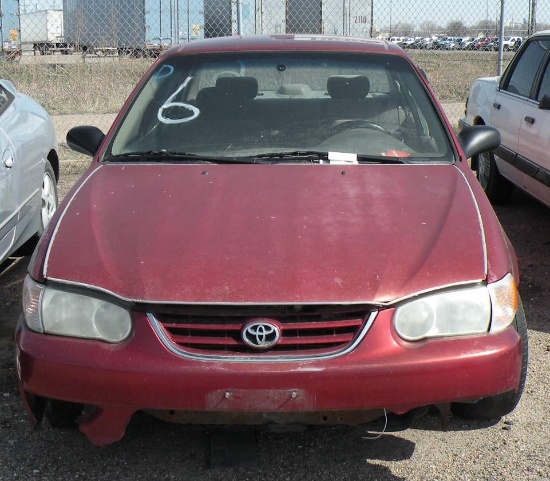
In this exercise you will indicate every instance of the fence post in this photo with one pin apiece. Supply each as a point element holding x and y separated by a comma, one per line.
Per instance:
<point>240,17</point>
<point>501,39</point>
<point>371,18</point>
<point>532,26</point>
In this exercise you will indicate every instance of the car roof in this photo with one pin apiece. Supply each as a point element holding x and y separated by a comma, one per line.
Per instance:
<point>542,33</point>
<point>264,43</point>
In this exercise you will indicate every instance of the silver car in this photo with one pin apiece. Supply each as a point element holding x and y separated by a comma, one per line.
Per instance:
<point>517,104</point>
<point>29,170</point>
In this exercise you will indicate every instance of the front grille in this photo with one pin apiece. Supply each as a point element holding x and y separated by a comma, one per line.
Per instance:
<point>304,330</point>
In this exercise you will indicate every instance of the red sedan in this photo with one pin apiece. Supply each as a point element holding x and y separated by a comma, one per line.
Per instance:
<point>276,229</point>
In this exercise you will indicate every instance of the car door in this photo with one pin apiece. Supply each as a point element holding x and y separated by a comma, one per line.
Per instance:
<point>26,127</point>
<point>534,143</point>
<point>8,182</point>
<point>513,104</point>
<point>506,113</point>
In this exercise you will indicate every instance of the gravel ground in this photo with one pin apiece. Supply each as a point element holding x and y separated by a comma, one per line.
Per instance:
<point>513,448</point>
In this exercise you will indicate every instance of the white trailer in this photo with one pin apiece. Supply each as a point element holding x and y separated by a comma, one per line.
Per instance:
<point>43,30</point>
<point>132,27</point>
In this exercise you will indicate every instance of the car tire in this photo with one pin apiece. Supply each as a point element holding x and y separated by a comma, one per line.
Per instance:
<point>63,414</point>
<point>497,188</point>
<point>48,206</point>
<point>495,407</point>
<point>49,197</point>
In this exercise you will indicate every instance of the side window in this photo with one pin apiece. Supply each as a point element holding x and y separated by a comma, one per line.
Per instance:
<point>5,99</point>
<point>379,81</point>
<point>525,69</point>
<point>545,83</point>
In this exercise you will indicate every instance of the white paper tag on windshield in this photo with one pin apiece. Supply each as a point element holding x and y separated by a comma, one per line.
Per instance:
<point>342,158</point>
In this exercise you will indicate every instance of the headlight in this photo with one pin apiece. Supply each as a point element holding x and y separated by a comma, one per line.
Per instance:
<point>458,312</point>
<point>58,312</point>
<point>462,311</point>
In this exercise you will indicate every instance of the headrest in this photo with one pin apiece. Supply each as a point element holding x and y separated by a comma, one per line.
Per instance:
<point>213,101</point>
<point>348,87</point>
<point>207,99</point>
<point>247,86</point>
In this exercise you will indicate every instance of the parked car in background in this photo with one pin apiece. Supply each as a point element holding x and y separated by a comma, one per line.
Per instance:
<point>465,43</point>
<point>473,43</point>
<point>518,105</point>
<point>416,44</point>
<point>450,43</point>
<point>509,43</point>
<point>277,229</point>
<point>485,43</point>
<point>410,42</point>
<point>491,43</point>
<point>398,40</point>
<point>28,172</point>
<point>427,43</point>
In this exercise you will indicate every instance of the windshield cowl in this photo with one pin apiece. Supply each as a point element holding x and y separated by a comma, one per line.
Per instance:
<point>296,157</point>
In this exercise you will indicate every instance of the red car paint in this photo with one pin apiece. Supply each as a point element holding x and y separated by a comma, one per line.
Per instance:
<point>269,233</point>
<point>254,235</point>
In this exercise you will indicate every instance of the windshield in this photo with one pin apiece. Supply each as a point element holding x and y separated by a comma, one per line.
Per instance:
<point>275,106</point>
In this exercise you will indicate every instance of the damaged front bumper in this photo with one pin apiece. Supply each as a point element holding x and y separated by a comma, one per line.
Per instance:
<point>382,375</point>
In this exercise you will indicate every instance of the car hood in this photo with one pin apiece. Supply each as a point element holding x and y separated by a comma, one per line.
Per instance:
<point>268,233</point>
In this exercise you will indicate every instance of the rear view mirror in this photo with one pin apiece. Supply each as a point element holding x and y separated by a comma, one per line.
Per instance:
<point>477,139</point>
<point>85,139</point>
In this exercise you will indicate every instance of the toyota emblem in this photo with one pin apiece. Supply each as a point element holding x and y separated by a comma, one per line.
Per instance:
<point>261,333</point>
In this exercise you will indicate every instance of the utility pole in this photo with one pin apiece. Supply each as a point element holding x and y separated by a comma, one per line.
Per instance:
<point>532,26</point>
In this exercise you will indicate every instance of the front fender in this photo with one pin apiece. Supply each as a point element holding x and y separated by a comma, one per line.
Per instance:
<point>480,101</point>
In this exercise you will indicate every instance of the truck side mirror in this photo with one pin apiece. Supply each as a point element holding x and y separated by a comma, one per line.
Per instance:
<point>544,103</point>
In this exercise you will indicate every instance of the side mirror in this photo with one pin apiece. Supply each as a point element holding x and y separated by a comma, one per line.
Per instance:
<point>85,139</point>
<point>477,139</point>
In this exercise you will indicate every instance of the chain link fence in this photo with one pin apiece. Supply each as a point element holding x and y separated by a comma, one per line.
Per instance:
<point>81,58</point>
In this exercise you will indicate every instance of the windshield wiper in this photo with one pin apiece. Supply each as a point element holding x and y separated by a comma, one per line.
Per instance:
<point>300,155</point>
<point>381,159</point>
<point>321,157</point>
<point>165,155</point>
<point>152,155</point>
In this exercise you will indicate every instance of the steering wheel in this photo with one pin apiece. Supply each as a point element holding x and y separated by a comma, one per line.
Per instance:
<point>357,124</point>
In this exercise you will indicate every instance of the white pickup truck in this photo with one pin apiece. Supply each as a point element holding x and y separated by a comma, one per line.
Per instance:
<point>518,105</point>
<point>510,43</point>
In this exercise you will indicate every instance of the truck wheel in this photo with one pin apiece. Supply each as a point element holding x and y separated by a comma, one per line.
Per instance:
<point>498,189</point>
<point>495,407</point>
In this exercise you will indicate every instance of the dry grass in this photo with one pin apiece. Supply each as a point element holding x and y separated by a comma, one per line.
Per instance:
<point>89,87</point>
<point>67,85</point>
<point>452,73</point>
<point>77,87</point>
